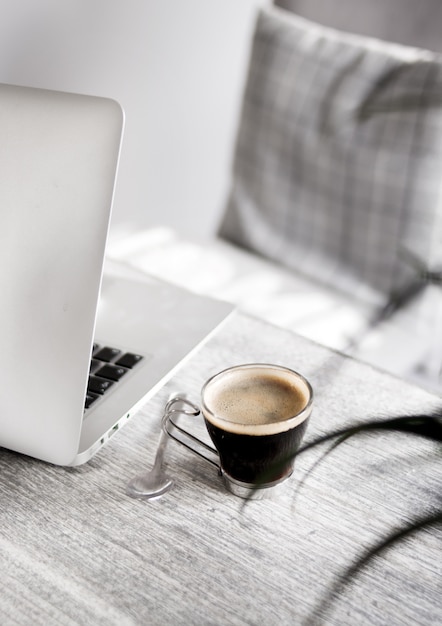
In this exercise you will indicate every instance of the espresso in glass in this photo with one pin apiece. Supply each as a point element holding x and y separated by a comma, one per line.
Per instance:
<point>256,416</point>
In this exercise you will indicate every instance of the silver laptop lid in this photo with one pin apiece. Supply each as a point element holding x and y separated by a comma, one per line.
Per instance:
<point>58,161</point>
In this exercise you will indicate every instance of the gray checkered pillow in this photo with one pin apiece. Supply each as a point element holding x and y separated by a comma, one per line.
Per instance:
<point>338,163</point>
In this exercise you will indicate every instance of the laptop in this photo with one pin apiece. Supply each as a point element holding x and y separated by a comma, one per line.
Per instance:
<point>81,349</point>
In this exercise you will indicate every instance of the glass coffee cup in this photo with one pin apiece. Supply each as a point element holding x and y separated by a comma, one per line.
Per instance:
<point>256,416</point>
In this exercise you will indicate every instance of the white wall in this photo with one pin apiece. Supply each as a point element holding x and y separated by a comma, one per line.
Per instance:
<point>176,66</point>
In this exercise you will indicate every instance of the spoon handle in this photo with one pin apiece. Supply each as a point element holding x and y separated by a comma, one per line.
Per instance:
<point>159,456</point>
<point>154,483</point>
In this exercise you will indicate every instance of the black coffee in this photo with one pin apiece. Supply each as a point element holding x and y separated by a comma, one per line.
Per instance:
<point>257,458</point>
<point>256,416</point>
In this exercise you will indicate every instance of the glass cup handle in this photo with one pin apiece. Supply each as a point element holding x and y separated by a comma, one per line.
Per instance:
<point>178,433</point>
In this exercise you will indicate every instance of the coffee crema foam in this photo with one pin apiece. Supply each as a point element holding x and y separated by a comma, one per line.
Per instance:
<point>256,400</point>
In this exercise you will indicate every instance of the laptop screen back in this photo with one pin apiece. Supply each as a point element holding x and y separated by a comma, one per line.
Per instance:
<point>58,161</point>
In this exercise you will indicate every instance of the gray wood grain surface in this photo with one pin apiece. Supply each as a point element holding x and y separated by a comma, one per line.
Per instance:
<point>74,549</point>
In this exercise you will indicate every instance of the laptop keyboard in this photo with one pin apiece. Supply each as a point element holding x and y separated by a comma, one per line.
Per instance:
<point>108,367</point>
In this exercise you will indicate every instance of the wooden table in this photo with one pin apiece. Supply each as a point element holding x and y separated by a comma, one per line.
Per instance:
<point>76,550</point>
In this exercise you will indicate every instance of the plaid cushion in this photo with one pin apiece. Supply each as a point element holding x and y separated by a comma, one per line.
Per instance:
<point>338,163</point>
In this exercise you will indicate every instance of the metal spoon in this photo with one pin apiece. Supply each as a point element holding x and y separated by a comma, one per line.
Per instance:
<point>155,483</point>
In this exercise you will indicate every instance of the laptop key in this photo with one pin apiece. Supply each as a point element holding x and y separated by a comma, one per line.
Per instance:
<point>107,354</point>
<point>129,360</point>
<point>90,399</point>
<point>111,372</point>
<point>98,385</point>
